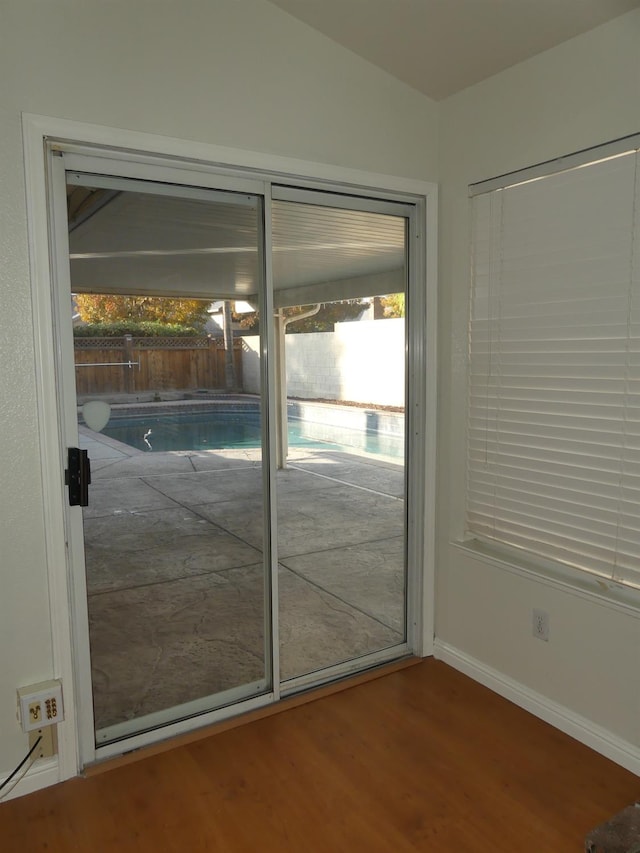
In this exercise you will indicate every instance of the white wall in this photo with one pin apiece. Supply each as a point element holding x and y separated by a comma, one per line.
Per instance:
<point>237,73</point>
<point>579,94</point>
<point>251,364</point>
<point>362,362</point>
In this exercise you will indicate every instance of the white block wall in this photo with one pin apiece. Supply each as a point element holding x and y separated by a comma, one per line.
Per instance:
<point>362,362</point>
<point>251,364</point>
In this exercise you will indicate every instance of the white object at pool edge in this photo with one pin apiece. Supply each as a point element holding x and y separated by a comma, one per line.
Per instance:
<point>96,414</point>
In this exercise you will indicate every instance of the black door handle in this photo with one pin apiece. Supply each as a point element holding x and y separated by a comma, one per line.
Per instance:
<point>78,476</point>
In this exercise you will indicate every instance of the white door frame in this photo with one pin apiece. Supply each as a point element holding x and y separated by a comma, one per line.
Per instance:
<point>129,152</point>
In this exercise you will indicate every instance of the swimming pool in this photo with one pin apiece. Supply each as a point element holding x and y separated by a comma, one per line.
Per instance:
<point>230,427</point>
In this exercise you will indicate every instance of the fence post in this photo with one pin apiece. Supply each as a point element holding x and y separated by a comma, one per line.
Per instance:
<point>237,355</point>
<point>128,369</point>
<point>212,364</point>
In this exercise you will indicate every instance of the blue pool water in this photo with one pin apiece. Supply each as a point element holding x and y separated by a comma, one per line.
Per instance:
<point>212,430</point>
<point>231,428</point>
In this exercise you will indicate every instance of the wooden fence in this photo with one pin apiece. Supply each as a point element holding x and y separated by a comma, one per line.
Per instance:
<point>130,365</point>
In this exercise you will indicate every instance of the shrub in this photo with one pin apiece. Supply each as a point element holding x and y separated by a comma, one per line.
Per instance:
<point>141,329</point>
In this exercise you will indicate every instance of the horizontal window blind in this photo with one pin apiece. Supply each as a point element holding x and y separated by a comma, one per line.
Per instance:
<point>554,391</point>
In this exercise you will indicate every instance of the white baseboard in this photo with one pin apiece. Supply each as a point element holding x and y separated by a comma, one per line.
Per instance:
<point>44,772</point>
<point>592,735</point>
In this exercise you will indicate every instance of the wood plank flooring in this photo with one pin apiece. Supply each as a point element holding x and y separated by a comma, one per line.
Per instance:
<point>422,759</point>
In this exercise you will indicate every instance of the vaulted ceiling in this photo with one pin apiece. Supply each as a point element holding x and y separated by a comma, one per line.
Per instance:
<point>442,46</point>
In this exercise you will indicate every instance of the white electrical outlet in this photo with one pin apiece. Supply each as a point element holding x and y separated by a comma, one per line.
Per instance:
<point>540,628</point>
<point>40,705</point>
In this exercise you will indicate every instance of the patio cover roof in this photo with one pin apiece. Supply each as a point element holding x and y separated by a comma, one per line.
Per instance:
<point>136,243</point>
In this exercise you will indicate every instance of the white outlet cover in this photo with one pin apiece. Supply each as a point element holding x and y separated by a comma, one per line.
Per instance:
<point>540,627</point>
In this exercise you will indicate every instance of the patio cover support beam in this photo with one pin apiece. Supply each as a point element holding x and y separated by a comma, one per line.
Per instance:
<point>282,439</point>
<point>282,442</point>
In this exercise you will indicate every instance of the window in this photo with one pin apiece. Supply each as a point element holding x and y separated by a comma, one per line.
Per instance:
<point>554,391</point>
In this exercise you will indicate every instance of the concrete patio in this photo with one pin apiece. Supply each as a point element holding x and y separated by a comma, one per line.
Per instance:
<point>175,576</point>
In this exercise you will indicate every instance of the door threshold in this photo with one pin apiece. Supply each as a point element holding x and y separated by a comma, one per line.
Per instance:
<point>289,702</point>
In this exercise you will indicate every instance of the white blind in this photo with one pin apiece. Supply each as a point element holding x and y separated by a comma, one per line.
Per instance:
<point>554,405</point>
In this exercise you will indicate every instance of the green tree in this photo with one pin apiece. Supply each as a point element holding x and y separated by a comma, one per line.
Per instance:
<point>393,305</point>
<point>329,314</point>
<point>109,308</point>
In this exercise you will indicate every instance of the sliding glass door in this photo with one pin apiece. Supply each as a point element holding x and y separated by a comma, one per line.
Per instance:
<point>178,600</point>
<point>234,377</point>
<point>339,277</point>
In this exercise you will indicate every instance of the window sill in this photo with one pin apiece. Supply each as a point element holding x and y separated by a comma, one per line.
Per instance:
<point>573,581</point>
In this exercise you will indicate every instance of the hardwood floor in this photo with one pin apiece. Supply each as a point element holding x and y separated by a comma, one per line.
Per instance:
<point>422,759</point>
